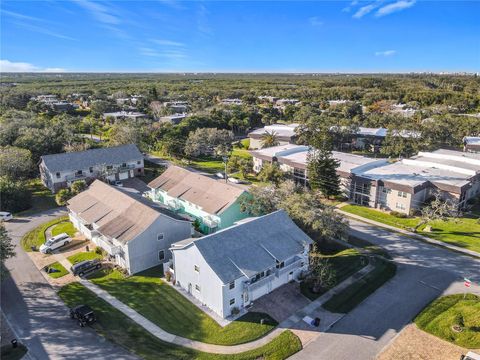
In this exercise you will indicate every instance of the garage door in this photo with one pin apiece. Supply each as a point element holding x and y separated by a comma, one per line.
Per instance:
<point>123,175</point>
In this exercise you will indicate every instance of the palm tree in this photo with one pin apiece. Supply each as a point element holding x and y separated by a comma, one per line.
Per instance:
<point>269,139</point>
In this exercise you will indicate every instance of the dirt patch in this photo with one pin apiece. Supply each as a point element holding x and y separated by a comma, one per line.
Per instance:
<point>415,344</point>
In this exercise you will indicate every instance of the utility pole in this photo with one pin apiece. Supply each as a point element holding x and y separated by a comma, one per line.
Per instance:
<point>225,159</point>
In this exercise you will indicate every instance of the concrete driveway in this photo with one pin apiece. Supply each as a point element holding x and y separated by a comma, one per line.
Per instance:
<point>282,302</point>
<point>424,273</point>
<point>38,316</point>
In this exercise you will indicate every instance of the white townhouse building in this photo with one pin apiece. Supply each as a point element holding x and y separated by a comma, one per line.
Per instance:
<point>59,171</point>
<point>235,266</point>
<point>129,228</point>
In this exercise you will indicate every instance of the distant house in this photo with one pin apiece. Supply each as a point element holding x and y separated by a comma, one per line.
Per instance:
<point>236,266</point>
<point>134,234</point>
<point>285,134</point>
<point>59,171</point>
<point>214,204</point>
<point>292,159</point>
<point>227,102</point>
<point>125,115</point>
<point>471,144</point>
<point>177,106</point>
<point>172,119</point>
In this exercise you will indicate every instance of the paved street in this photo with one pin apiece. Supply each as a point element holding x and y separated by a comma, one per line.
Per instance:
<point>36,313</point>
<point>424,272</point>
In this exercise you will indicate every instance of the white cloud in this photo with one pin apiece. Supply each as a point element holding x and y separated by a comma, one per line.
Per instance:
<point>315,21</point>
<point>396,6</point>
<point>364,10</point>
<point>167,42</point>
<point>10,66</point>
<point>386,53</point>
<point>99,12</point>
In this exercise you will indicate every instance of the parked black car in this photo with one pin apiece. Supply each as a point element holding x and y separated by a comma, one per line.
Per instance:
<point>84,314</point>
<point>85,266</point>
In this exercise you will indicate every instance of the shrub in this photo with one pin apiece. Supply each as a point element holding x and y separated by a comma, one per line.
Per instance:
<point>168,276</point>
<point>398,214</point>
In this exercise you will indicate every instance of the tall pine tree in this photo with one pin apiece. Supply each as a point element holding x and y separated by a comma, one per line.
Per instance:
<point>322,172</point>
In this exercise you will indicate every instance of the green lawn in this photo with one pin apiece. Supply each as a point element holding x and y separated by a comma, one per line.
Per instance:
<point>152,171</point>
<point>159,302</point>
<point>81,256</point>
<point>443,313</point>
<point>463,232</point>
<point>61,270</point>
<point>9,353</point>
<point>358,291</point>
<point>209,165</point>
<point>368,246</point>
<point>118,328</point>
<point>36,237</point>
<point>42,198</point>
<point>345,263</point>
<point>64,227</point>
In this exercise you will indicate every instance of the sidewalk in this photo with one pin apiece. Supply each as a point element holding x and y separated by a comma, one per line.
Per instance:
<point>410,234</point>
<point>294,322</point>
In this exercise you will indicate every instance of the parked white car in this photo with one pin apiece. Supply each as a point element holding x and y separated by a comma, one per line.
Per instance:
<point>5,216</point>
<point>54,243</point>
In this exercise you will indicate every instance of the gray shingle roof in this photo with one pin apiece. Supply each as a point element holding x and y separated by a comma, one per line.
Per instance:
<point>250,247</point>
<point>92,157</point>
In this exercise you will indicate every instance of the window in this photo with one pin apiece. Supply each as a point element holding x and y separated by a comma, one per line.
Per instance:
<point>400,206</point>
<point>139,170</point>
<point>232,285</point>
<point>138,162</point>
<point>79,172</point>
<point>109,167</point>
<point>58,175</point>
<point>232,301</point>
<point>160,237</point>
<point>196,268</point>
<point>91,169</point>
<point>386,190</point>
<point>197,287</point>
<point>402,194</point>
<point>124,165</point>
<point>161,255</point>
<point>280,264</point>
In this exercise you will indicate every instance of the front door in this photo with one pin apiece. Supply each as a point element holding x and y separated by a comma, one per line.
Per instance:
<point>189,288</point>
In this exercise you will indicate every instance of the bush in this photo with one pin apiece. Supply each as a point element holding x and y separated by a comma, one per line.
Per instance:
<point>398,214</point>
<point>63,196</point>
<point>168,276</point>
<point>14,195</point>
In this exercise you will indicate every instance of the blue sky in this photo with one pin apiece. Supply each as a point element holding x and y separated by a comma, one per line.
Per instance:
<point>230,36</point>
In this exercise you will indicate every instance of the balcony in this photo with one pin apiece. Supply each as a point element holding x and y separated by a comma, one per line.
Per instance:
<point>71,178</point>
<point>293,266</point>
<point>210,222</point>
<point>127,167</point>
<point>107,245</point>
<point>259,283</point>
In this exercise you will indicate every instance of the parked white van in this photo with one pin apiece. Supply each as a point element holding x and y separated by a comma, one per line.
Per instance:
<point>54,243</point>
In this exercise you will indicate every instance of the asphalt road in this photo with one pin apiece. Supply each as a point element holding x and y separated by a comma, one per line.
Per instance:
<point>36,313</point>
<point>424,273</point>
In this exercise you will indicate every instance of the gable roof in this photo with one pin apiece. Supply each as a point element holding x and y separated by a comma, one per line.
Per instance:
<point>211,195</point>
<point>250,247</point>
<point>119,214</point>
<point>92,157</point>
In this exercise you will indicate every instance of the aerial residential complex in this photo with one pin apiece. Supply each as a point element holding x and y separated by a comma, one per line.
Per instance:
<point>59,171</point>
<point>400,186</point>
<point>232,268</point>
<point>135,234</point>
<point>292,159</point>
<point>212,203</point>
